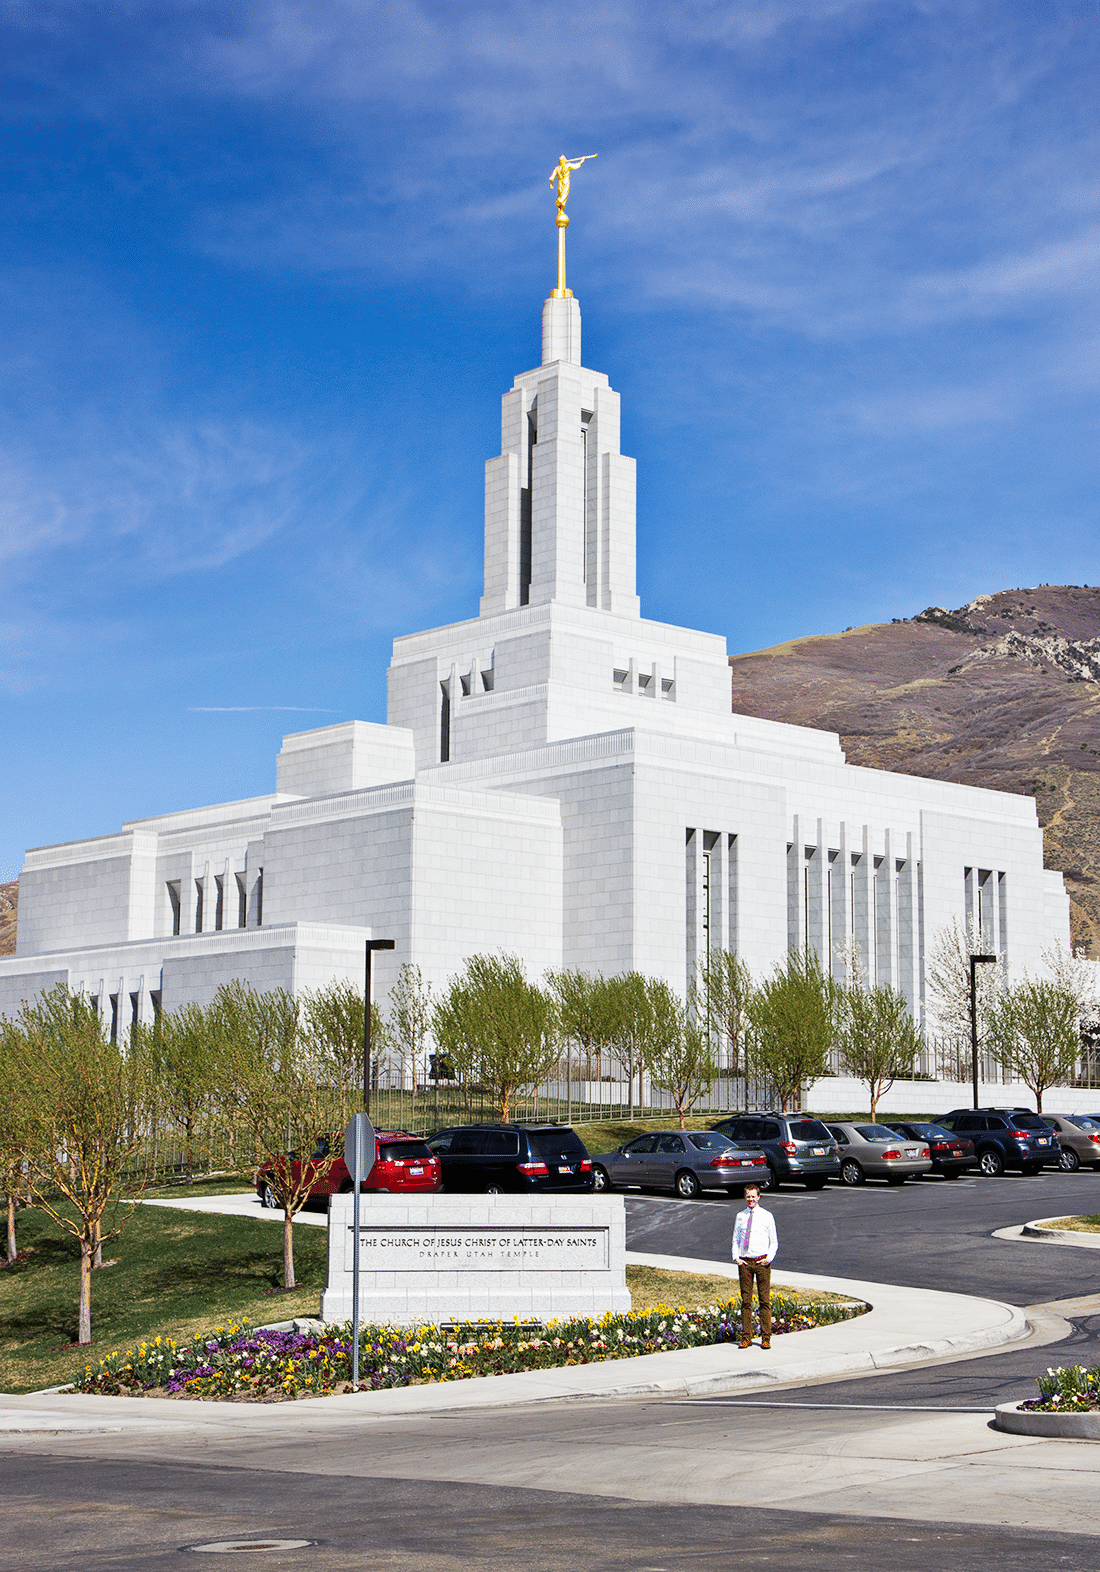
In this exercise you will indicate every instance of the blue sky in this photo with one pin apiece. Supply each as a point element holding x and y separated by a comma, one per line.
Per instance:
<point>267,268</point>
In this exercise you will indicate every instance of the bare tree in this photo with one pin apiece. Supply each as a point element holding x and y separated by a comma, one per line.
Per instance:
<point>278,1083</point>
<point>82,1108</point>
<point>494,1025</point>
<point>878,1037</point>
<point>1033,1029</point>
<point>947,985</point>
<point>793,1022</point>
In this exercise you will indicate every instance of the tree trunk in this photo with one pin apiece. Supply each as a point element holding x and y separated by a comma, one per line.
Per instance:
<point>12,1250</point>
<point>288,1251</point>
<point>84,1333</point>
<point>97,1258</point>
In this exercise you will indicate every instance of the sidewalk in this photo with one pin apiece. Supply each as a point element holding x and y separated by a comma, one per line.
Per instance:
<point>905,1326</point>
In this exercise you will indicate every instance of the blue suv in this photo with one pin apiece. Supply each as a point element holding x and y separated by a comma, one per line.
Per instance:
<point>1005,1138</point>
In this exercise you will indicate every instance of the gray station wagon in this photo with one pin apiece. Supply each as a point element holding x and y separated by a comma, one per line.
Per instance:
<point>799,1148</point>
<point>687,1161</point>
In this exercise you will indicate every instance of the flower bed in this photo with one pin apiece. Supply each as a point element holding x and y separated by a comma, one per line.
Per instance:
<point>1071,1389</point>
<point>245,1364</point>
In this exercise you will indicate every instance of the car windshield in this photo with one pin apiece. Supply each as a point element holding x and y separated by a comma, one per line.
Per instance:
<point>556,1143</point>
<point>1083,1122</point>
<point>931,1132</point>
<point>876,1132</point>
<point>709,1140</point>
<point>809,1130</point>
<point>1029,1121</point>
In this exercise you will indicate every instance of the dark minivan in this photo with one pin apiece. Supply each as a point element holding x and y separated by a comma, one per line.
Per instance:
<point>799,1148</point>
<point>501,1159</point>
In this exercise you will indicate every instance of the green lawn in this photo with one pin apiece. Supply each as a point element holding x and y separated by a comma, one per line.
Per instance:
<point>177,1272</point>
<point>1087,1224</point>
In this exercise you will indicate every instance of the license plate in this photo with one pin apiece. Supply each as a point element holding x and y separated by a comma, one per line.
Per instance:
<point>819,1151</point>
<point>1042,1140</point>
<point>562,1169</point>
<point>912,1151</point>
<point>416,1170</point>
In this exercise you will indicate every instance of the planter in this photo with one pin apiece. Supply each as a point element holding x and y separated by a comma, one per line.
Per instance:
<point>1038,1229</point>
<point>1058,1427</point>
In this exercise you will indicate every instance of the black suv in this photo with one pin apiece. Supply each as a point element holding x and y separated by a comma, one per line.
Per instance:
<point>500,1159</point>
<point>798,1147</point>
<point>1004,1138</point>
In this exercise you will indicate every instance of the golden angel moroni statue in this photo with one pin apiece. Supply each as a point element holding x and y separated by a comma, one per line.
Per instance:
<point>563,173</point>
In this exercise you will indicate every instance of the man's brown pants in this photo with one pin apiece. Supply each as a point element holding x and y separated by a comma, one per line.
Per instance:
<point>762,1271</point>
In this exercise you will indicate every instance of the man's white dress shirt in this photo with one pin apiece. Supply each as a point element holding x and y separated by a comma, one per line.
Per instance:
<point>754,1234</point>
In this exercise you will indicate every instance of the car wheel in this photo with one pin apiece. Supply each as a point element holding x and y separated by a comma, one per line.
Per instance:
<point>815,1184</point>
<point>268,1198</point>
<point>687,1186</point>
<point>991,1163</point>
<point>768,1181</point>
<point>494,1189</point>
<point>896,1178</point>
<point>1069,1162</point>
<point>600,1180</point>
<point>851,1172</point>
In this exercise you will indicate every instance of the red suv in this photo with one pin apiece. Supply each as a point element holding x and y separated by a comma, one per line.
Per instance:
<point>402,1163</point>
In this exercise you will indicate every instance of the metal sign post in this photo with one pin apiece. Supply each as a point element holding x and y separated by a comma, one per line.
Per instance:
<point>358,1141</point>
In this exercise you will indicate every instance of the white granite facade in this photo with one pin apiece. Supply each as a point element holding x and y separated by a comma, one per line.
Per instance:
<point>558,777</point>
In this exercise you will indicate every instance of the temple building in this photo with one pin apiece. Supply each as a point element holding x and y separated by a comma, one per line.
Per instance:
<point>558,777</point>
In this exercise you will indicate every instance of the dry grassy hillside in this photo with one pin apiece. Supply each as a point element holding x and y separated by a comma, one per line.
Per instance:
<point>1004,693</point>
<point>9,902</point>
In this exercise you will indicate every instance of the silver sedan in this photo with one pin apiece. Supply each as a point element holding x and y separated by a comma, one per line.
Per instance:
<point>1079,1138</point>
<point>686,1161</point>
<point>874,1151</point>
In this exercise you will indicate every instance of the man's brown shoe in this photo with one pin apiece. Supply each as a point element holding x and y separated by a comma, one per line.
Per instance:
<point>765,1342</point>
<point>746,1342</point>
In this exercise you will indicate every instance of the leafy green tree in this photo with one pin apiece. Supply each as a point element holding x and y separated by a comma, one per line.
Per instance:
<point>183,1066</point>
<point>409,1024</point>
<point>586,1013</point>
<point>679,1050</point>
<point>878,1038</point>
<point>496,1027</point>
<point>276,1079</point>
<point>630,1007</point>
<point>1033,1029</point>
<point>792,1017</point>
<point>13,1162</point>
<point>332,1020</point>
<point>719,996</point>
<point>83,1108</point>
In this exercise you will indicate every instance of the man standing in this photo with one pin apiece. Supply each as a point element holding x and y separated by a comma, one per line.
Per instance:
<point>755,1242</point>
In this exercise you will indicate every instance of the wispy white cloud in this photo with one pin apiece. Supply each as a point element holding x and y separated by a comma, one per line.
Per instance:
<point>254,709</point>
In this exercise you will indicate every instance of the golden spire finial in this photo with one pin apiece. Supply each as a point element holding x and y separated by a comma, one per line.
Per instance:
<point>563,171</point>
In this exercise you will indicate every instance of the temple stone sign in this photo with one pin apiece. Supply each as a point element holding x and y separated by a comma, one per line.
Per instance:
<point>460,1257</point>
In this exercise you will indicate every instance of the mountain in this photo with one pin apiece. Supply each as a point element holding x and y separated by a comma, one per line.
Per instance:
<point>1004,692</point>
<point>9,901</point>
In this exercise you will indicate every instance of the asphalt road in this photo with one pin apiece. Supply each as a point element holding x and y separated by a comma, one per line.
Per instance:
<point>929,1233</point>
<point>70,1515</point>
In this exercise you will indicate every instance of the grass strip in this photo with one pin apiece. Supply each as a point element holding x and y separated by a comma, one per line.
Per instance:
<point>1087,1224</point>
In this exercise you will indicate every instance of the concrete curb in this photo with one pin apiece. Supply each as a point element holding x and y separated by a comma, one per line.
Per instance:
<point>1071,1236</point>
<point>1056,1427</point>
<point>903,1327</point>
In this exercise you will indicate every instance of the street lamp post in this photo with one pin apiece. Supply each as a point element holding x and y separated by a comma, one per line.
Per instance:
<point>975,962</point>
<point>372,945</point>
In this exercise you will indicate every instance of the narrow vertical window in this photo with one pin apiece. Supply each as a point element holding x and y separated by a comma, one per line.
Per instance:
<point>525,513</point>
<point>445,724</point>
<point>114,1017</point>
<point>176,903</point>
<point>260,899</point>
<point>219,904</point>
<point>199,892</point>
<point>242,902</point>
<point>133,1010</point>
<point>156,999</point>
